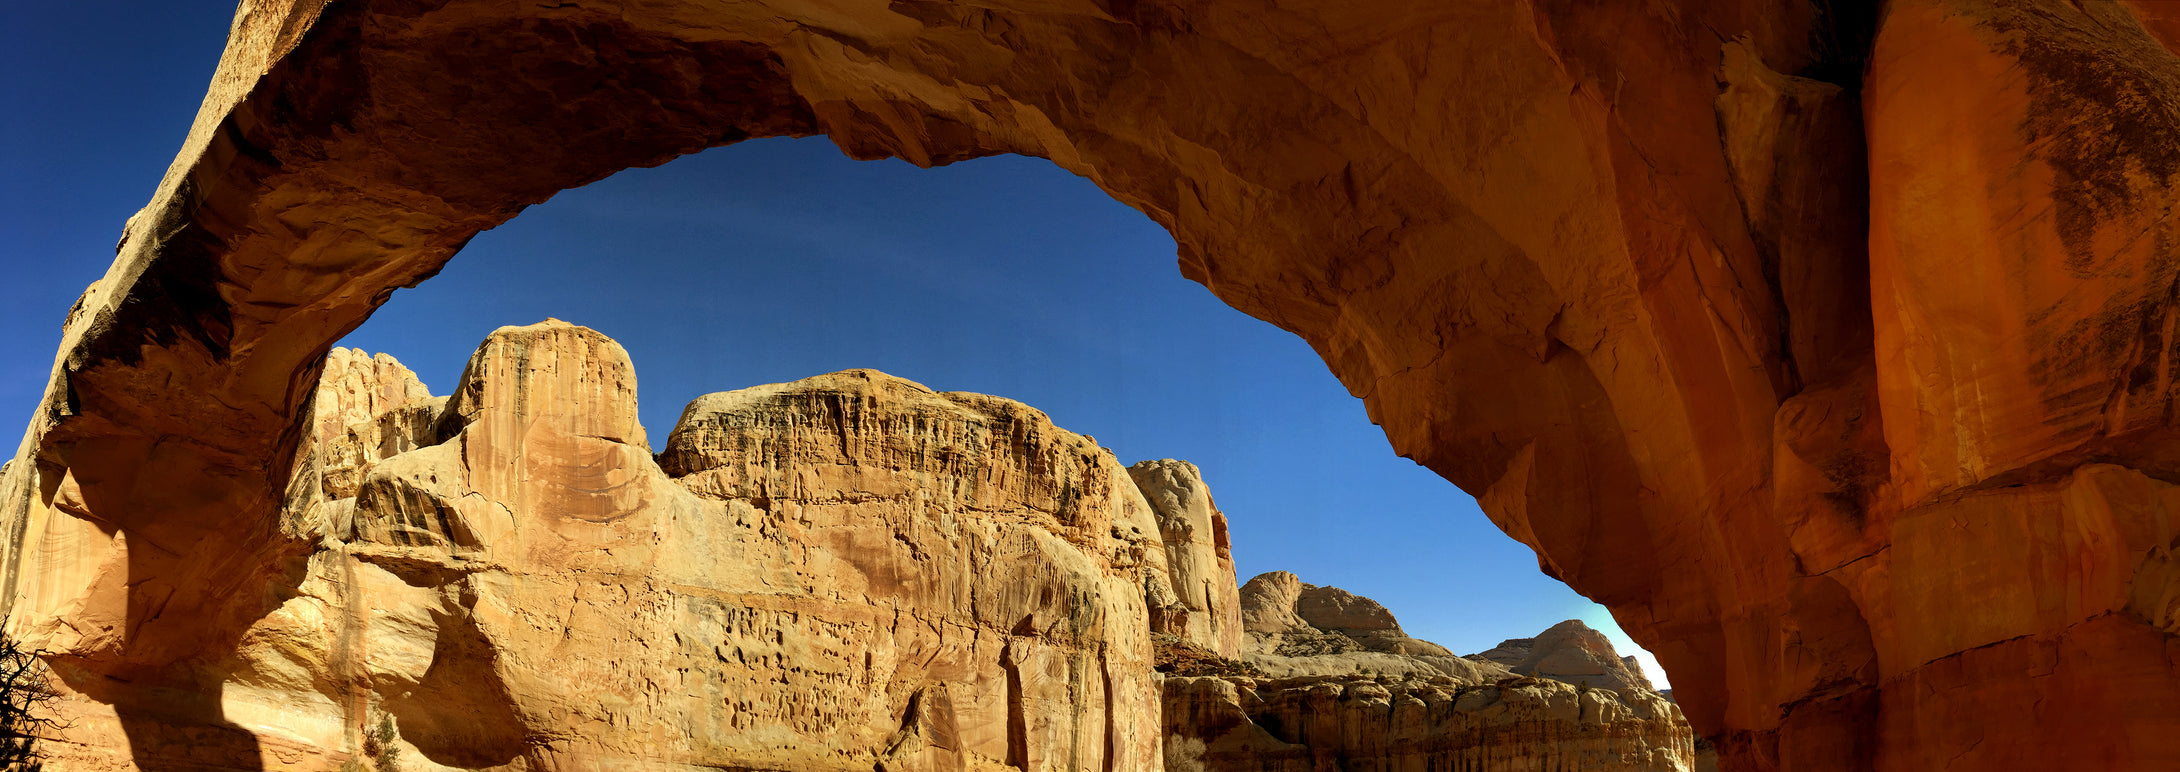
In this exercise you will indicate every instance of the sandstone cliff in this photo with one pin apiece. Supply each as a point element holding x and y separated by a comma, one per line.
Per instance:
<point>1828,343</point>
<point>1198,555</point>
<point>1344,688</point>
<point>846,571</point>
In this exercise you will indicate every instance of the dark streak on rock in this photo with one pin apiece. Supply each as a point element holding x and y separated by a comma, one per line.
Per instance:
<point>2104,114</point>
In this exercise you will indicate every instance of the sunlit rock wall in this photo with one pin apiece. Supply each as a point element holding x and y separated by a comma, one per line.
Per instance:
<point>844,571</point>
<point>1199,556</point>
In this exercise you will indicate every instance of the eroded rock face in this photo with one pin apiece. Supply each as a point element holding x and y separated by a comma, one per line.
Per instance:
<point>1392,723</point>
<point>1754,318</point>
<point>1366,697</point>
<point>1267,603</point>
<point>846,571</point>
<point>850,571</point>
<point>1335,610</point>
<point>1199,556</point>
<point>1389,723</point>
<point>368,408</point>
<point>1571,652</point>
<point>1295,628</point>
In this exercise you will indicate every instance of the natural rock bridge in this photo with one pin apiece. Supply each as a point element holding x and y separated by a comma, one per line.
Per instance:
<point>1833,349</point>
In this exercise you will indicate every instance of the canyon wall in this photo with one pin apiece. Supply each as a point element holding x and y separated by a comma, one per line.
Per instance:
<point>846,571</point>
<point>1827,343</point>
<point>1199,557</point>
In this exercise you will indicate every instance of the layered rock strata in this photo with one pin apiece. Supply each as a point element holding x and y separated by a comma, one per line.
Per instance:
<point>1825,342</point>
<point>844,572</point>
<point>1345,689</point>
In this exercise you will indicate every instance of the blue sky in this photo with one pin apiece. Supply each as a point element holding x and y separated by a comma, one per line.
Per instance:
<point>774,260</point>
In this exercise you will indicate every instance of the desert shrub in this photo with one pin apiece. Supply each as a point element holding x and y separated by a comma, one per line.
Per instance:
<point>389,754</point>
<point>26,696</point>
<point>1174,656</point>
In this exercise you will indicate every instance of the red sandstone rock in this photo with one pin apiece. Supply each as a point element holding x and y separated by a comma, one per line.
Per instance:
<point>1612,267</point>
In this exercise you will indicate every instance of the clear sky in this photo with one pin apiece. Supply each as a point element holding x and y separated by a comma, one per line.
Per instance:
<point>775,260</point>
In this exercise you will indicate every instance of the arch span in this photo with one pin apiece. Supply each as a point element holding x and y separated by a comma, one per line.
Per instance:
<point>1610,267</point>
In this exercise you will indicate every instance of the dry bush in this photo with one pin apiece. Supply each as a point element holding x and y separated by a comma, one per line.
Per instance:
<point>26,694</point>
<point>1174,656</point>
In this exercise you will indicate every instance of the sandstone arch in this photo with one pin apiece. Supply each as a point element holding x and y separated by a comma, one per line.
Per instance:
<point>1852,453</point>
